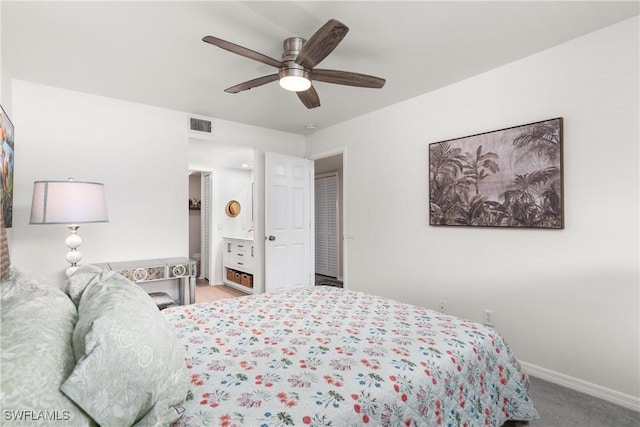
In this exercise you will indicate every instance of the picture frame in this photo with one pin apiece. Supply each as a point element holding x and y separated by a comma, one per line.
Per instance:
<point>7,147</point>
<point>512,177</point>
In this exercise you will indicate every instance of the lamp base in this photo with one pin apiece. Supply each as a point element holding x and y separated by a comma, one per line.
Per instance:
<point>74,256</point>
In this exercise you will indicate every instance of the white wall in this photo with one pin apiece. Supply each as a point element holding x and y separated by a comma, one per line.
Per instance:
<point>566,300</point>
<point>141,153</point>
<point>138,152</point>
<point>230,184</point>
<point>233,184</point>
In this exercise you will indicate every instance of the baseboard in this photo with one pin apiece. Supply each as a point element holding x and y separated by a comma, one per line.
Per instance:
<point>622,399</point>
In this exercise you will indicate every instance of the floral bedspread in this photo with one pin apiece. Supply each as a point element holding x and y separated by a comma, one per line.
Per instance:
<point>325,356</point>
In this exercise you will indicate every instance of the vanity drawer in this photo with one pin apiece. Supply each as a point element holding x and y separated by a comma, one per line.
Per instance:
<point>238,254</point>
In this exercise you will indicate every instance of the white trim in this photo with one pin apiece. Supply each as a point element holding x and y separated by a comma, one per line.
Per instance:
<point>327,153</point>
<point>312,222</point>
<point>613,396</point>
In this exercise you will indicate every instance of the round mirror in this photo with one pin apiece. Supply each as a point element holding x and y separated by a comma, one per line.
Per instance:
<point>233,208</point>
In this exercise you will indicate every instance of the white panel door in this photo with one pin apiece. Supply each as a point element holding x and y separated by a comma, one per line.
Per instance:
<point>288,222</point>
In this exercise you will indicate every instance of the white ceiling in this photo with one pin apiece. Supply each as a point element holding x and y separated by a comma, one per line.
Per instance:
<point>152,53</point>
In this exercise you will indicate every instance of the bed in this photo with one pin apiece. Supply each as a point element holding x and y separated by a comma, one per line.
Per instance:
<point>325,356</point>
<point>99,352</point>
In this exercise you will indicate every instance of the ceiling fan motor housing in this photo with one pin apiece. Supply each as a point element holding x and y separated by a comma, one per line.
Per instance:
<point>292,47</point>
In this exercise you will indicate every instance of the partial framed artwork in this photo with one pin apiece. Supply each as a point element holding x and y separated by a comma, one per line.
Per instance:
<point>510,177</point>
<point>6,167</point>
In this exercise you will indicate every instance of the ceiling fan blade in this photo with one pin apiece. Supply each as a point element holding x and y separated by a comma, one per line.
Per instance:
<point>309,98</point>
<point>252,83</point>
<point>321,43</point>
<point>347,78</point>
<point>242,51</point>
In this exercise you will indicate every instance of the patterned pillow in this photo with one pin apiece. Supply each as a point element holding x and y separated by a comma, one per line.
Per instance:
<point>130,368</point>
<point>37,356</point>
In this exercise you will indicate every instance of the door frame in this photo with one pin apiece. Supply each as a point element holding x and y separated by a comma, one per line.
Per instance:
<point>212,232</point>
<point>343,243</point>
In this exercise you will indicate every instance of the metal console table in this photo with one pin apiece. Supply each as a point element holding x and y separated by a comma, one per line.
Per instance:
<point>149,270</point>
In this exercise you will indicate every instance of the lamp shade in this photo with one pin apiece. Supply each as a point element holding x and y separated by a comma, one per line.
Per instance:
<point>68,202</point>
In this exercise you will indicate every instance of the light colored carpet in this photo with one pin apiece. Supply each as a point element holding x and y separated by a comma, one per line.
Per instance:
<point>561,407</point>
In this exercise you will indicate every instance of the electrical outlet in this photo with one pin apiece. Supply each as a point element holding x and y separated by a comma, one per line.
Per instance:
<point>487,317</point>
<point>442,304</point>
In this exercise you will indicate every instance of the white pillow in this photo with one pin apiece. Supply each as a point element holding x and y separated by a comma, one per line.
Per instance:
<point>38,320</point>
<point>131,368</point>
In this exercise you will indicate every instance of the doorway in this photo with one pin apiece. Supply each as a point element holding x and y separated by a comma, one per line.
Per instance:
<point>329,219</point>
<point>219,161</point>
<point>200,222</point>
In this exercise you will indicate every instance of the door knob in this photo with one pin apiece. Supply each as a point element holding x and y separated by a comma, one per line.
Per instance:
<point>272,238</point>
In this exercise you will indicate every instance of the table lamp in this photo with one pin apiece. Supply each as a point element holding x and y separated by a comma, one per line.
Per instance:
<point>72,203</point>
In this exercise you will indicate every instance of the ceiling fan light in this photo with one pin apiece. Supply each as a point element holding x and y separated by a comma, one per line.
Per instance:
<point>295,83</point>
<point>294,78</point>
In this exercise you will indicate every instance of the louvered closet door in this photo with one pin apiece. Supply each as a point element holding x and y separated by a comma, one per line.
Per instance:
<point>326,235</point>
<point>205,257</point>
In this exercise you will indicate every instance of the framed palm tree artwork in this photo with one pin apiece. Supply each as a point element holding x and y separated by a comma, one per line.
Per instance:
<point>505,178</point>
<point>6,168</point>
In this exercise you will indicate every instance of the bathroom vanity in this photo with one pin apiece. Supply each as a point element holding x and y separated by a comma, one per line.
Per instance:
<point>238,263</point>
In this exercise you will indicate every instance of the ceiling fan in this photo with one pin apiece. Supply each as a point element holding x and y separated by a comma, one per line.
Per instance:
<point>296,70</point>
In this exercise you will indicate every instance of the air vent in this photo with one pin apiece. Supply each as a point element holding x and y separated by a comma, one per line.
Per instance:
<point>200,127</point>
